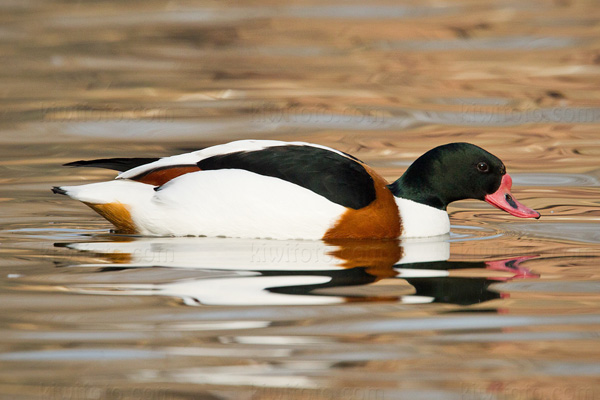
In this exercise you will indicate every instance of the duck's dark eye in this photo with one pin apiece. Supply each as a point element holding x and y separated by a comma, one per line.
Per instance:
<point>483,167</point>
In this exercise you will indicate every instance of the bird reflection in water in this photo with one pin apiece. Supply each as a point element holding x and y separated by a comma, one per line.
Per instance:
<point>271,272</point>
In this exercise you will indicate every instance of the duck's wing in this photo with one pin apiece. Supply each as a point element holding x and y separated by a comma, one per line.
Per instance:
<point>157,171</point>
<point>117,164</point>
<point>192,159</point>
<point>330,173</point>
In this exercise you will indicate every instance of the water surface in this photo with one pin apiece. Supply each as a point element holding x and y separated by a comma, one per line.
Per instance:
<point>500,309</point>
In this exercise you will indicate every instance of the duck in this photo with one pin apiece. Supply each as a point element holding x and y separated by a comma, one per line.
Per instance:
<point>292,190</point>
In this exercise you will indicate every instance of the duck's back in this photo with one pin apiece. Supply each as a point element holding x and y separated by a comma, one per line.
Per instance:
<point>250,189</point>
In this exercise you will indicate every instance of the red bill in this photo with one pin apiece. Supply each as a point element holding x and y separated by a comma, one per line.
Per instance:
<point>504,200</point>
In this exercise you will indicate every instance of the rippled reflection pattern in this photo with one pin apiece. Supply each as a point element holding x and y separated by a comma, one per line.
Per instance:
<point>267,272</point>
<point>500,309</point>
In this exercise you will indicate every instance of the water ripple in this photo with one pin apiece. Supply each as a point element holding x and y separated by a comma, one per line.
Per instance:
<point>555,179</point>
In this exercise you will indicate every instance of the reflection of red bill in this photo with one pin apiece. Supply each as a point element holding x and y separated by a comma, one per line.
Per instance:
<point>512,265</point>
<point>504,200</point>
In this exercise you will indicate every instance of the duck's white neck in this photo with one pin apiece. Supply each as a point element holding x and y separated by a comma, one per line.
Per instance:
<point>419,220</point>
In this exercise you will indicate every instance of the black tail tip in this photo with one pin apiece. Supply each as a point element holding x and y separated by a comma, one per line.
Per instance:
<point>80,163</point>
<point>58,190</point>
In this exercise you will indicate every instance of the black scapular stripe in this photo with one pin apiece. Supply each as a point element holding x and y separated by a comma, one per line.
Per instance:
<point>331,175</point>
<point>117,164</point>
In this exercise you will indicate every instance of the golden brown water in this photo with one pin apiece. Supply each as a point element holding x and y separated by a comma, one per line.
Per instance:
<point>502,309</point>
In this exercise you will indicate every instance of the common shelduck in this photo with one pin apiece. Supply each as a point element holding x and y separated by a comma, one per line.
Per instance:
<point>292,190</point>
